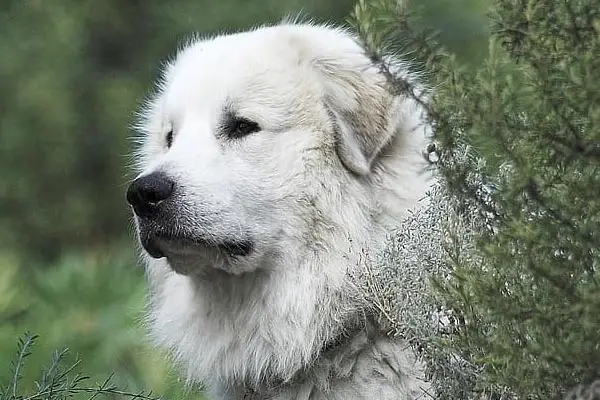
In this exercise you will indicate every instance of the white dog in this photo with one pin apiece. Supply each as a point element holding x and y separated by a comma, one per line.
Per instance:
<point>271,161</point>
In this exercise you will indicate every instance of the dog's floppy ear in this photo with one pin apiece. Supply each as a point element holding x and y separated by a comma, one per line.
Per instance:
<point>363,110</point>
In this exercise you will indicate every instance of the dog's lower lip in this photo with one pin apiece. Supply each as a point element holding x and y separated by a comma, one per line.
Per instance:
<point>159,246</point>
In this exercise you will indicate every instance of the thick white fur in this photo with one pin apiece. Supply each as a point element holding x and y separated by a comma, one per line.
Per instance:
<point>338,163</point>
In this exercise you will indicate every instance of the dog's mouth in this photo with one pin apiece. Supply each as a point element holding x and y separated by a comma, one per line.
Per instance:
<point>159,244</point>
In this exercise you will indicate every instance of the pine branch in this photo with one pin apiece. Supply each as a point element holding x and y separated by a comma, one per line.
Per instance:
<point>60,380</point>
<point>23,351</point>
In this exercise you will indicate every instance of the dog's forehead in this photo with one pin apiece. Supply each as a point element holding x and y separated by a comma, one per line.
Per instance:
<point>244,62</point>
<point>270,58</point>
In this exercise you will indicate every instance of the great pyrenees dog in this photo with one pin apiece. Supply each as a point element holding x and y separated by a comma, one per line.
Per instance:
<point>271,161</point>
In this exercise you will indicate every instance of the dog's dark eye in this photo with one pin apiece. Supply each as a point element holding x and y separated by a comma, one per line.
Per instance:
<point>169,138</point>
<point>240,127</point>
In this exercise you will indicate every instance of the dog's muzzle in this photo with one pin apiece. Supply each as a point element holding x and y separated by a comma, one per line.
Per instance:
<point>149,197</point>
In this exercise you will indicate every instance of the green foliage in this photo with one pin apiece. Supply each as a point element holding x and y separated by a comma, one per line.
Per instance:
<point>530,304</point>
<point>59,380</point>
<point>518,142</point>
<point>93,305</point>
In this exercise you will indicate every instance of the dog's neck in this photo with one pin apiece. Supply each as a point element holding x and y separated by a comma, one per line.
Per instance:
<point>332,362</point>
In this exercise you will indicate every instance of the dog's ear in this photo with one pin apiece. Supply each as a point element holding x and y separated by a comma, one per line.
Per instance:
<point>363,110</point>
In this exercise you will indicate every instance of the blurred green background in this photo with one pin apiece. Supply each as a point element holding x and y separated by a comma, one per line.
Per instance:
<point>72,74</point>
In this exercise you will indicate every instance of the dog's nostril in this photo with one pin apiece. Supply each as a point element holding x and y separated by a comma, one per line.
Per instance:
<point>146,192</point>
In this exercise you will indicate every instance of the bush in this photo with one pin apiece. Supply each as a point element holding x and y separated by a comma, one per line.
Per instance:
<point>511,235</point>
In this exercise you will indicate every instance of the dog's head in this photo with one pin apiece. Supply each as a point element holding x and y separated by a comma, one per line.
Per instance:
<point>247,134</point>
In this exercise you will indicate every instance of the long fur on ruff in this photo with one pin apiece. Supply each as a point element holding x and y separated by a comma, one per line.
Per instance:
<point>337,165</point>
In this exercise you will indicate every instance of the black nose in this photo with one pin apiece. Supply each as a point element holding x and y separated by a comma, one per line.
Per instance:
<point>146,192</point>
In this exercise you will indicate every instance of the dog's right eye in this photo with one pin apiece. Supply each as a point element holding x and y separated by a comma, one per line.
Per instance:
<point>238,127</point>
<point>169,138</point>
<point>245,127</point>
